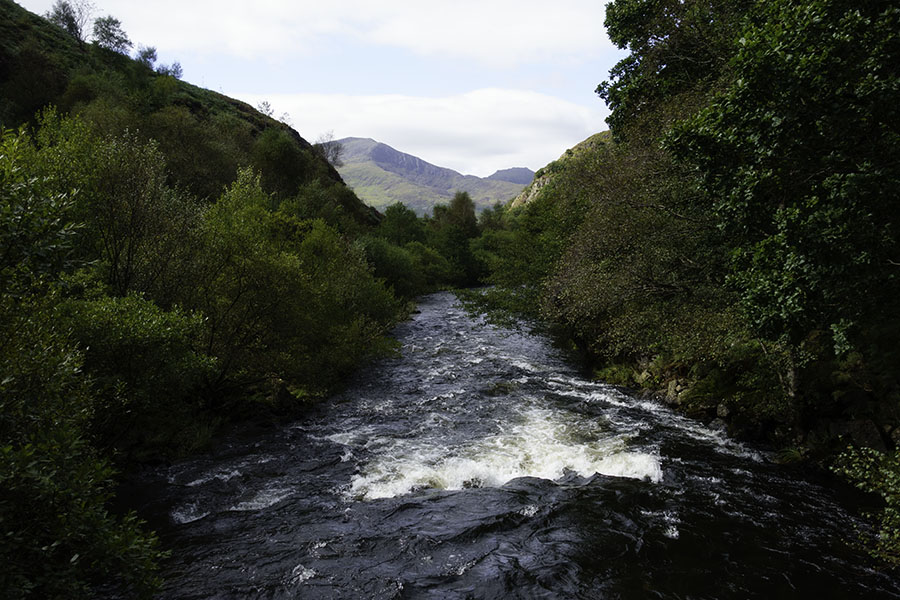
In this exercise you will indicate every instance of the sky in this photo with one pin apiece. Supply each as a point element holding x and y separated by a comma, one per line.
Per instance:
<point>473,85</point>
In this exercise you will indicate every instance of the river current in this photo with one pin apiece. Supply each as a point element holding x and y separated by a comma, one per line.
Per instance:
<point>480,463</point>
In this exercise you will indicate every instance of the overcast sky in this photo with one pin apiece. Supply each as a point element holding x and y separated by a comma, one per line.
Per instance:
<point>474,85</point>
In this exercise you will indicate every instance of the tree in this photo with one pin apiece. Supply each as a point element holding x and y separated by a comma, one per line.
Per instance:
<point>676,46</point>
<point>451,230</point>
<point>491,218</point>
<point>330,149</point>
<point>283,163</point>
<point>73,16</point>
<point>146,55</point>
<point>395,265</point>
<point>283,295</point>
<point>173,70</point>
<point>108,34</point>
<point>461,213</point>
<point>265,108</point>
<point>798,155</point>
<point>121,183</point>
<point>400,225</point>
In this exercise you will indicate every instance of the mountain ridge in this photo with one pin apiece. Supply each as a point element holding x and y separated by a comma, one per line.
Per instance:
<point>382,175</point>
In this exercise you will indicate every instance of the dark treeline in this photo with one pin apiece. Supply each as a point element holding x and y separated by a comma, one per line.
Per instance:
<point>734,246</point>
<point>171,261</point>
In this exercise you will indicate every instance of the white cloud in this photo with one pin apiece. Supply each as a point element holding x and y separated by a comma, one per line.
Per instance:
<point>492,32</point>
<point>474,133</point>
<point>495,32</point>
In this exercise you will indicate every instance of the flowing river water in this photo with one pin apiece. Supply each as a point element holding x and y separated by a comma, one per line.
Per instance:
<point>481,464</point>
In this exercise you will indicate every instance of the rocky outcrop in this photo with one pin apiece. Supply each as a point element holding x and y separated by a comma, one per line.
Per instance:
<point>545,175</point>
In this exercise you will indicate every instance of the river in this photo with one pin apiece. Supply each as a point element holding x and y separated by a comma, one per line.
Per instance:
<point>480,463</point>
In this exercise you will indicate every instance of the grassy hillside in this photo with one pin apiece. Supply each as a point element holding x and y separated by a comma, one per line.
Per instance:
<point>382,176</point>
<point>42,65</point>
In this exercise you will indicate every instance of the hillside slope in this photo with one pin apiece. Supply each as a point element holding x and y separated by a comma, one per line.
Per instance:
<point>382,176</point>
<point>545,174</point>
<point>41,65</point>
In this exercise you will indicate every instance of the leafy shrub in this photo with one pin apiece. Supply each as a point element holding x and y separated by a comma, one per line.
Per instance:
<point>146,370</point>
<point>121,187</point>
<point>337,205</point>
<point>283,163</point>
<point>400,225</point>
<point>396,265</point>
<point>59,538</point>
<point>435,269</point>
<point>878,473</point>
<point>280,295</point>
<point>36,230</point>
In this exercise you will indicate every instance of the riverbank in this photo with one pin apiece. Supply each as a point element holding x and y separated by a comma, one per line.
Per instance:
<point>480,462</point>
<point>714,400</point>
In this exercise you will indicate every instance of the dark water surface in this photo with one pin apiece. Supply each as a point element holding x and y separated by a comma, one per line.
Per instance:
<point>480,464</point>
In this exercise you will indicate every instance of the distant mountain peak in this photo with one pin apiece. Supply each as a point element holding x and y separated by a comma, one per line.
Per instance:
<point>382,175</point>
<point>519,175</point>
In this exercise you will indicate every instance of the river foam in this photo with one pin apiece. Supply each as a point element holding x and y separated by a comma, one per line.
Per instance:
<point>544,443</point>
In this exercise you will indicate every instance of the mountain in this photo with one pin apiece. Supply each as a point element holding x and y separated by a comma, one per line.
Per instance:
<point>382,176</point>
<point>519,175</point>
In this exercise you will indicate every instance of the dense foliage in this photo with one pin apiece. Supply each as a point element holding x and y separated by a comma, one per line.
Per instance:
<point>676,48</point>
<point>798,158</point>
<point>737,247</point>
<point>58,535</point>
<point>135,317</point>
<point>172,260</point>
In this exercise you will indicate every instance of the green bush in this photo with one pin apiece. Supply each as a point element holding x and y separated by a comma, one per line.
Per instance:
<point>59,538</point>
<point>37,234</point>
<point>283,163</point>
<point>183,136</point>
<point>400,226</point>
<point>435,269</point>
<point>145,366</point>
<point>348,311</point>
<point>337,205</point>
<point>120,184</point>
<point>878,473</point>
<point>397,266</point>
<point>282,296</point>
